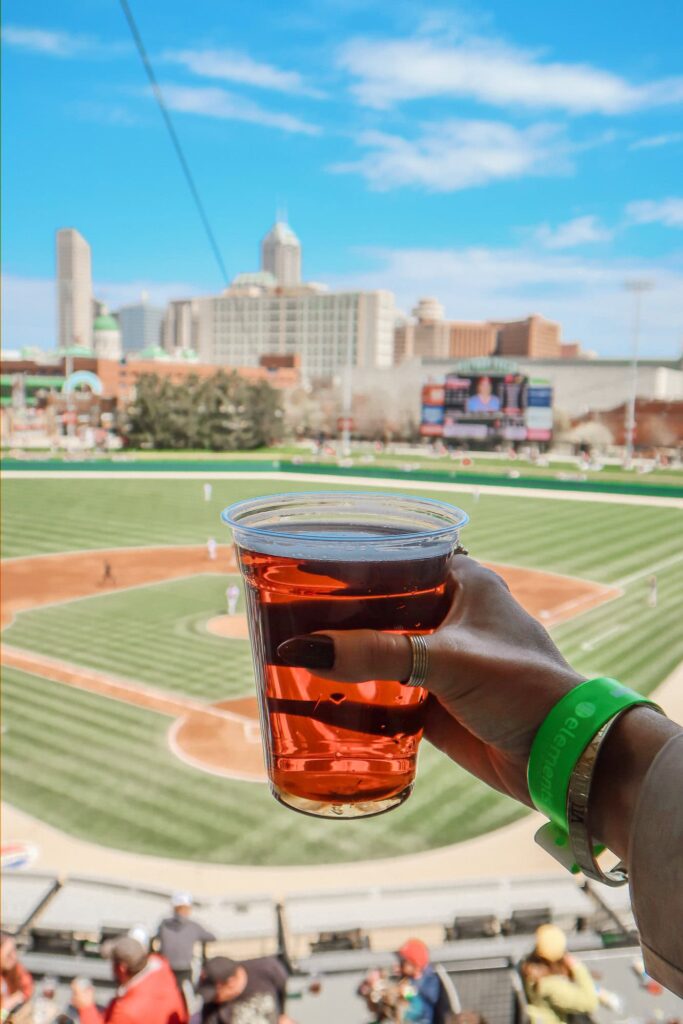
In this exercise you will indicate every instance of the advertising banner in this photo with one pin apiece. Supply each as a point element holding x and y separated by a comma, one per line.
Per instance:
<point>433,394</point>
<point>432,413</point>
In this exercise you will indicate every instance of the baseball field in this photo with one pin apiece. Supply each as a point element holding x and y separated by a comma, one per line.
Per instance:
<point>129,716</point>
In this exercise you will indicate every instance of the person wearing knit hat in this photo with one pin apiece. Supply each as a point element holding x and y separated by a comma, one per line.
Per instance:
<point>558,988</point>
<point>551,943</point>
<point>420,984</point>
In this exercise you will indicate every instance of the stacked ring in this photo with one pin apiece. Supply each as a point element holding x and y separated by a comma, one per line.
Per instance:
<point>420,651</point>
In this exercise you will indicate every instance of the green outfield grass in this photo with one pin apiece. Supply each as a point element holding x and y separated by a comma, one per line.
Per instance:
<point>102,770</point>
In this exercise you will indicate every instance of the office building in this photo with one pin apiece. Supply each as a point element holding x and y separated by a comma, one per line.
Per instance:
<point>141,325</point>
<point>281,254</point>
<point>74,290</point>
<point>258,315</point>
<point>535,338</point>
<point>430,336</point>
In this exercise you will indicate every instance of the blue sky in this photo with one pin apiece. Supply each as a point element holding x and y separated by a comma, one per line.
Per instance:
<point>507,158</point>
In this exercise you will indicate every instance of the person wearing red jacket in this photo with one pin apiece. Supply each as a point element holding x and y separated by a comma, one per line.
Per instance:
<point>147,990</point>
<point>16,984</point>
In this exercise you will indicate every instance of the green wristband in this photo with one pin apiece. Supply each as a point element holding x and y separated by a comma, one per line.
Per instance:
<point>564,735</point>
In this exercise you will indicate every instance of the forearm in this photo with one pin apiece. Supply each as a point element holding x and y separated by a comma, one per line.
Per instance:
<point>624,760</point>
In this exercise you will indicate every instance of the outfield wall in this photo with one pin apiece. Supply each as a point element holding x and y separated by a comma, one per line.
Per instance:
<point>209,467</point>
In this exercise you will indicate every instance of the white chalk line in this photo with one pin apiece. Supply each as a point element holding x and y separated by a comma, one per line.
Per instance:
<point>193,762</point>
<point>589,645</point>
<point>185,704</point>
<point>666,563</point>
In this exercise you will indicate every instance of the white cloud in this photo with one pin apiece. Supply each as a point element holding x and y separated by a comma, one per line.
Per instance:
<point>579,231</point>
<point>668,212</point>
<point>655,141</point>
<point>586,296</point>
<point>55,43</point>
<point>239,67</point>
<point>47,41</point>
<point>457,154</point>
<point>493,72</point>
<point>29,315</point>
<point>102,113</point>
<point>215,102</point>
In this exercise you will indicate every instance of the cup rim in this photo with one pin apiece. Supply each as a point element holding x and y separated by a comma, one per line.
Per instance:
<point>228,517</point>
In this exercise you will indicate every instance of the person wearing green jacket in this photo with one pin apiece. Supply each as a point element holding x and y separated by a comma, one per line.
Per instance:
<point>558,988</point>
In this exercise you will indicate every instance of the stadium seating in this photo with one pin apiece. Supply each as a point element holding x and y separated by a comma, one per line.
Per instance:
<point>59,924</point>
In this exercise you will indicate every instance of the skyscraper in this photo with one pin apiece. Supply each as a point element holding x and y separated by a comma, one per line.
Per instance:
<point>74,289</point>
<point>270,312</point>
<point>141,325</point>
<point>281,254</point>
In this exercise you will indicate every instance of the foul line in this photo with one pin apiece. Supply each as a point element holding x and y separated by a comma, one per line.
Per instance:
<point>642,573</point>
<point>130,692</point>
<point>589,645</point>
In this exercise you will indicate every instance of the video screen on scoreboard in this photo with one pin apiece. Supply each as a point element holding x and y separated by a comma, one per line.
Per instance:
<point>483,407</point>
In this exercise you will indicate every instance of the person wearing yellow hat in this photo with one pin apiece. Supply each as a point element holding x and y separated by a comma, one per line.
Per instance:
<point>559,989</point>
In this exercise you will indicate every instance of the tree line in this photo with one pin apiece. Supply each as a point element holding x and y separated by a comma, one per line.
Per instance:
<point>225,412</point>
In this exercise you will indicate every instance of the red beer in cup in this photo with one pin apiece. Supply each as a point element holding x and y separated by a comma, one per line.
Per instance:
<point>328,561</point>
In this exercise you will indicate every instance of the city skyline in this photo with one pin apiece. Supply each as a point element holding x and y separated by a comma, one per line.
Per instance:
<point>506,162</point>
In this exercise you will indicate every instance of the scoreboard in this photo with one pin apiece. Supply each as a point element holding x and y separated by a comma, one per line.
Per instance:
<point>492,403</point>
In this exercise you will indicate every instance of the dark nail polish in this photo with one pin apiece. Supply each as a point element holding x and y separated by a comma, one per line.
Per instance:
<point>308,651</point>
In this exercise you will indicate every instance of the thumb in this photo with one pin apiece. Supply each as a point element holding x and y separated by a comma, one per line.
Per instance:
<point>351,656</point>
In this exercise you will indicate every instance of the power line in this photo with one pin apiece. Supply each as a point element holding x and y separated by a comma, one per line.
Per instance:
<point>135,32</point>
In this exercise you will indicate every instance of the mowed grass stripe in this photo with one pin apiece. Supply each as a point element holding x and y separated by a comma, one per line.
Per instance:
<point>134,634</point>
<point>647,647</point>
<point>113,513</point>
<point>628,607</point>
<point>157,638</point>
<point>109,785</point>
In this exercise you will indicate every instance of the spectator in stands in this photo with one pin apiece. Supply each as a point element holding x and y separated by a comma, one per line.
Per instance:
<point>558,988</point>
<point>147,991</point>
<point>46,1009</point>
<point>177,937</point>
<point>16,984</point>
<point>251,992</point>
<point>420,984</point>
<point>415,995</point>
<point>494,675</point>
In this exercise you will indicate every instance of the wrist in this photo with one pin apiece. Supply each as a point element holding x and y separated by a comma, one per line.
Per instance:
<point>623,762</point>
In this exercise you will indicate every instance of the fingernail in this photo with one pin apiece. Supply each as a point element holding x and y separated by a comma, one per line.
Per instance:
<point>308,651</point>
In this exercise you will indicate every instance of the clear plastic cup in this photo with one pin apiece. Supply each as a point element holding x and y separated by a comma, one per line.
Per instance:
<point>327,561</point>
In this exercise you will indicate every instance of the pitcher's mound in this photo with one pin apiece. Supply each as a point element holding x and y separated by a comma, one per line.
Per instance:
<point>233,627</point>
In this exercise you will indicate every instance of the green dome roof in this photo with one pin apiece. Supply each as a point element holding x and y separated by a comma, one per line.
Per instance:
<point>189,355</point>
<point>76,350</point>
<point>153,352</point>
<point>105,323</point>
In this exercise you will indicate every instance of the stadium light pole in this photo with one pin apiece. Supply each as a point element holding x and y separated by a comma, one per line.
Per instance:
<point>347,394</point>
<point>636,287</point>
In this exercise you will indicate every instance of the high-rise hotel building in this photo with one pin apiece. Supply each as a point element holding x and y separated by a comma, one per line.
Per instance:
<point>271,312</point>
<point>74,290</point>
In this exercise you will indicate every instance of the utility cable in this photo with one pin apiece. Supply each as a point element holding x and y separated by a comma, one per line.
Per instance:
<point>135,32</point>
